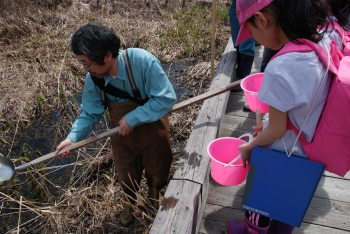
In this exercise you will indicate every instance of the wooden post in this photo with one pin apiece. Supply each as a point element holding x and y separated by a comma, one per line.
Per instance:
<point>213,36</point>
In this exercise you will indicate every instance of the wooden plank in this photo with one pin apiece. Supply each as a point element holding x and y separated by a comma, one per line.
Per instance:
<point>234,122</point>
<point>235,105</point>
<point>180,208</point>
<point>210,226</point>
<point>205,191</point>
<point>329,174</point>
<point>334,188</point>
<point>195,161</point>
<point>324,209</point>
<point>335,191</point>
<point>233,133</point>
<point>321,212</point>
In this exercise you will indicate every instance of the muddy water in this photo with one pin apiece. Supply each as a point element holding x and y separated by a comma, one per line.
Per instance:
<point>175,70</point>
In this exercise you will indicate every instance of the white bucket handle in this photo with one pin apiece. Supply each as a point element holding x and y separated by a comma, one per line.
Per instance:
<point>247,135</point>
<point>239,156</point>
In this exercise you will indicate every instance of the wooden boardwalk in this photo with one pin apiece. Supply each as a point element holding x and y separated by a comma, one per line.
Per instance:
<point>184,201</point>
<point>329,211</point>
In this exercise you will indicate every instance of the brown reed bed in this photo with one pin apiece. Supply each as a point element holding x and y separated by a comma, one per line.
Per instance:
<point>40,76</point>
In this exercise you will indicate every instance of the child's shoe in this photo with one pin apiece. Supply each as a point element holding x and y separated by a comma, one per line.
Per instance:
<point>277,227</point>
<point>235,227</point>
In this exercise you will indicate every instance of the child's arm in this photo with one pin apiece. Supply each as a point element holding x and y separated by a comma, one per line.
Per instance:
<point>275,130</point>
<point>259,125</point>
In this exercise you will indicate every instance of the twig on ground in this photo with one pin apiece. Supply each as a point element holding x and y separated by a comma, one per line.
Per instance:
<point>59,76</point>
<point>14,136</point>
<point>19,214</point>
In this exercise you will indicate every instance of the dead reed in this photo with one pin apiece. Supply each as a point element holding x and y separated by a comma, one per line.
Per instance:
<point>40,76</point>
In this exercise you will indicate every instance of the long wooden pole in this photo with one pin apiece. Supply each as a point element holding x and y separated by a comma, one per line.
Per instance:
<point>213,36</point>
<point>204,96</point>
<point>113,131</point>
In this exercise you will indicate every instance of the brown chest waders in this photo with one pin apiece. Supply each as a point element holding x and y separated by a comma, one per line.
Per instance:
<point>147,147</point>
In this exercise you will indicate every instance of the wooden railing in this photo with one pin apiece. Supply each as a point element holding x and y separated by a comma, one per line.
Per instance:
<point>185,198</point>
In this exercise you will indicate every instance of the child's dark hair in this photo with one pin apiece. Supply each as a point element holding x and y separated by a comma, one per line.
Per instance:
<point>95,41</point>
<point>299,18</point>
<point>341,10</point>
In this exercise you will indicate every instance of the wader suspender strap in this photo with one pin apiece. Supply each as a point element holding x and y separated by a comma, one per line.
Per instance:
<point>114,91</point>
<point>135,90</point>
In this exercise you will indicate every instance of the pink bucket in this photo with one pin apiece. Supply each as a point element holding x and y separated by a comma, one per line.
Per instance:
<point>251,85</point>
<point>222,151</point>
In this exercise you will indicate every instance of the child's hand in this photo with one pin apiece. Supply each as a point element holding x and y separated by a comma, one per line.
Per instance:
<point>246,153</point>
<point>257,130</point>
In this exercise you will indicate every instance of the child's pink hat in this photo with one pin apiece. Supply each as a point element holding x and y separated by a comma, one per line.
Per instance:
<point>245,10</point>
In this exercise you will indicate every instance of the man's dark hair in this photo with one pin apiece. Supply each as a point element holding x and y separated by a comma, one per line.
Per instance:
<point>95,41</point>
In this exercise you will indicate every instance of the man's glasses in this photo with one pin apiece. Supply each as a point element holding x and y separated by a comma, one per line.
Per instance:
<point>86,65</point>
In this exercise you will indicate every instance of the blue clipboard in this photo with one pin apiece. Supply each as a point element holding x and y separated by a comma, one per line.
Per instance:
<point>280,187</point>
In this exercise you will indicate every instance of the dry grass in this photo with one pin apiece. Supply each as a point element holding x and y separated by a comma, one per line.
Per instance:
<point>40,76</point>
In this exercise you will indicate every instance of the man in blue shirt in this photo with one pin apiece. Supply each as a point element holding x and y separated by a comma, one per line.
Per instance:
<point>143,141</point>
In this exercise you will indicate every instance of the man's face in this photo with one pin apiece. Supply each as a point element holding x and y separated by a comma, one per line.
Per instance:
<point>94,68</point>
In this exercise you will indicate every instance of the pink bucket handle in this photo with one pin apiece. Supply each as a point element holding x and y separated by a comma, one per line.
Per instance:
<point>247,135</point>
<point>239,156</point>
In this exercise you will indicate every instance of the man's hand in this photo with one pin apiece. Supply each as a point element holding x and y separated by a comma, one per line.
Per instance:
<point>124,127</point>
<point>63,145</point>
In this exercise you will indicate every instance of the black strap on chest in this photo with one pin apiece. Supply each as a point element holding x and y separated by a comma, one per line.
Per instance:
<point>114,91</point>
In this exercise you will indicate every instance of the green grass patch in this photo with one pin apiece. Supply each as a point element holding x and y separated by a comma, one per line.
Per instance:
<point>191,29</point>
<point>8,122</point>
<point>40,100</point>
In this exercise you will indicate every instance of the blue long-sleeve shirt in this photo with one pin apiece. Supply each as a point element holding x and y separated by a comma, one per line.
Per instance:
<point>150,79</point>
